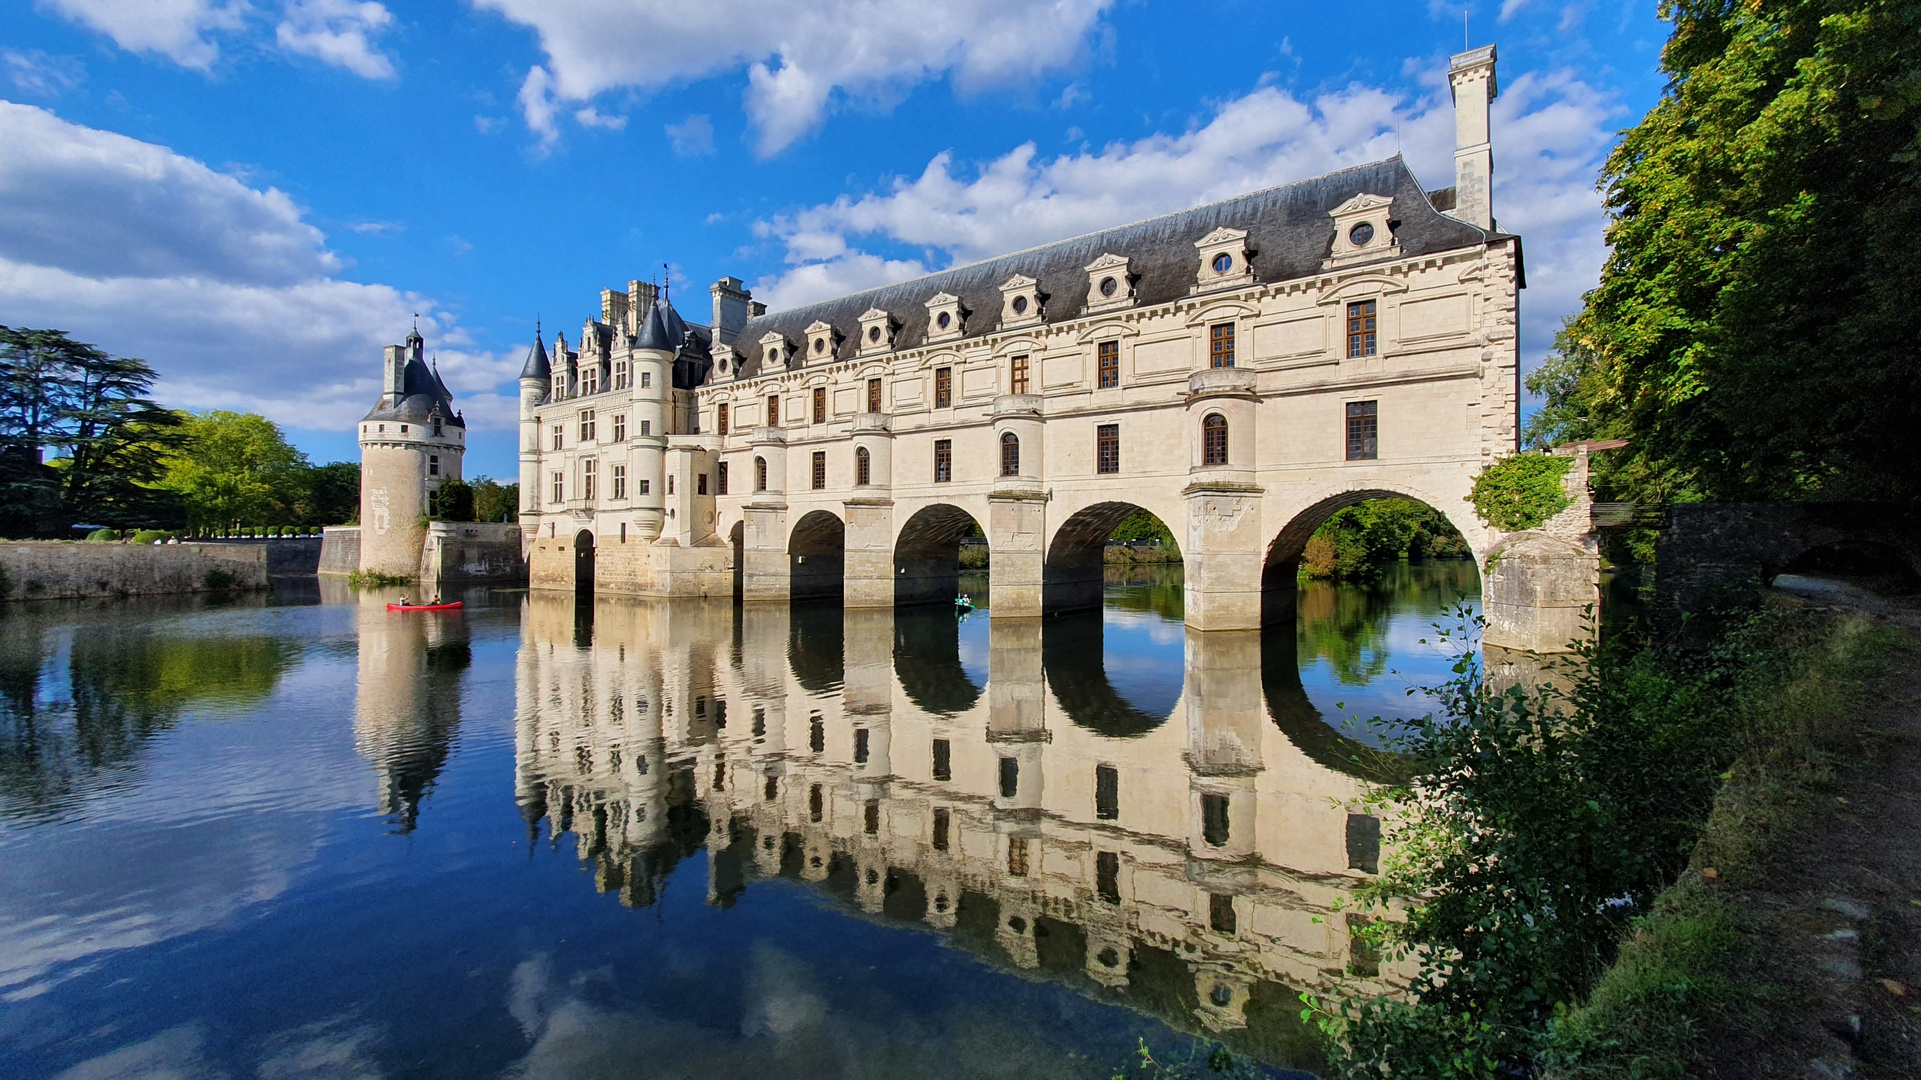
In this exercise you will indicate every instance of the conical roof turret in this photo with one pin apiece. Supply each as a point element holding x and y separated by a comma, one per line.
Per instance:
<point>537,366</point>
<point>663,329</point>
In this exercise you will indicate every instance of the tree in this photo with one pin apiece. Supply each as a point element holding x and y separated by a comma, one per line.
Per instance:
<point>92,410</point>
<point>454,501</point>
<point>494,501</point>
<point>1754,332</point>
<point>333,494</point>
<point>235,468</point>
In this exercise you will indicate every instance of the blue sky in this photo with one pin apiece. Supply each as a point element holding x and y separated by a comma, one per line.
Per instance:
<point>255,195</point>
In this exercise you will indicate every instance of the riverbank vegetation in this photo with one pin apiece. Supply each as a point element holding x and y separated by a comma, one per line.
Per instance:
<point>1358,541</point>
<point>1549,826</point>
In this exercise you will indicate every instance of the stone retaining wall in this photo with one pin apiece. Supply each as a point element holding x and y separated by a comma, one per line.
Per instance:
<point>460,552</point>
<point>340,549</point>
<point>47,569</point>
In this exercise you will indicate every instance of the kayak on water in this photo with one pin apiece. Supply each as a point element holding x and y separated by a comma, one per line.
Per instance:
<point>424,607</point>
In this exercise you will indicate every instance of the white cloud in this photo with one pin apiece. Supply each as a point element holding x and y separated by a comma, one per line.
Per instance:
<point>338,32</point>
<point>226,289</point>
<point>1550,132</point>
<point>378,228</point>
<point>692,137</point>
<point>176,29</point>
<point>798,57</point>
<point>592,117</point>
<point>34,72</point>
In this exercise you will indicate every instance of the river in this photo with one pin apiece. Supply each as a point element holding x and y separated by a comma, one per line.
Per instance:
<point>301,839</point>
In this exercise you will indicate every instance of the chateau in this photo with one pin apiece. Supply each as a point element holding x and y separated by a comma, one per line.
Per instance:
<point>1242,370</point>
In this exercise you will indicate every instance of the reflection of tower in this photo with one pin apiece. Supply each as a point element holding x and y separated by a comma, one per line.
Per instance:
<point>408,702</point>
<point>410,444</point>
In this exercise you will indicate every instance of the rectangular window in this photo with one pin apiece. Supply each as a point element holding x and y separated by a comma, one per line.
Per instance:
<point>720,477</point>
<point>1364,843</point>
<point>1107,876</point>
<point>820,469</point>
<point>670,484</point>
<point>1010,777</point>
<point>1214,820</point>
<point>590,380</point>
<point>646,380</point>
<point>1108,363</point>
<point>437,428</point>
<point>1107,448</point>
<point>559,492</point>
<point>773,410</point>
<point>873,395</point>
<point>944,388</point>
<point>620,374</point>
<point>620,427</point>
<point>1017,384</point>
<point>943,760</point>
<point>700,483</point>
<point>1363,430</point>
<point>1360,328</point>
<point>860,746</point>
<point>943,460</point>
<point>1107,792</point>
<point>1220,913</point>
<point>646,427</point>
<point>1017,856</point>
<point>863,467</point>
<point>720,417</point>
<point>620,481</point>
<point>560,431</point>
<point>814,802</point>
<point>1220,345</point>
<point>871,817</point>
<point>560,386</point>
<point>820,404</point>
<point>941,819</point>
<point>587,426</point>
<point>587,470</point>
<point>433,464</point>
<point>646,486</point>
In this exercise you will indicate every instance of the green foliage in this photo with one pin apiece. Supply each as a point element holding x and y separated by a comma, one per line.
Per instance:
<point>332,495</point>
<point>374,579</point>
<point>1754,330</point>
<point>108,437</point>
<point>494,501</point>
<point>1540,831</point>
<point>1521,491</point>
<point>101,535</point>
<point>151,536</point>
<point>233,467</point>
<point>1356,541</point>
<point>453,500</point>
<point>1141,525</point>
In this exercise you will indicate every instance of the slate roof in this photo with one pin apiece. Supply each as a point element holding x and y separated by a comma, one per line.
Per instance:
<point>420,391</point>
<point>537,366</point>
<point>1289,233</point>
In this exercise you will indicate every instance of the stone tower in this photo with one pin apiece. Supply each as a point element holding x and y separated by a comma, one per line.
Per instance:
<point>534,376</point>
<point>410,444</point>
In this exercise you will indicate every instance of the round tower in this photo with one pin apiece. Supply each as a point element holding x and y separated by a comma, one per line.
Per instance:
<point>410,444</point>
<point>535,375</point>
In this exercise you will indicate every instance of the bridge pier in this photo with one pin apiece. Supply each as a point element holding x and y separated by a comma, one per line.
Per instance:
<point>868,559</point>
<point>1542,589</point>
<point>1016,533</point>
<point>1224,553</point>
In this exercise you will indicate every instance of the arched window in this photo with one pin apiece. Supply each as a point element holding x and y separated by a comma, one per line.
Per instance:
<point>863,467</point>
<point>760,474</point>
<point>1214,440</point>
<point>1010,454</point>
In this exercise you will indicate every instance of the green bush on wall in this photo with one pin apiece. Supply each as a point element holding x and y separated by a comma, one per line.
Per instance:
<point>1521,491</point>
<point>103,535</point>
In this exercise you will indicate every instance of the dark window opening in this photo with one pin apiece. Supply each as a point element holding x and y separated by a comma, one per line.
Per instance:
<point>773,410</point>
<point>1107,363</point>
<point>1363,430</point>
<point>771,791</point>
<point>720,417</point>
<point>1010,777</point>
<point>820,404</point>
<point>700,483</point>
<point>814,806</point>
<point>863,467</point>
<point>1017,859</point>
<point>1107,876</point>
<point>1107,448</point>
<point>760,474</point>
<point>1220,912</point>
<point>941,819</point>
<point>820,469</point>
<point>720,477</point>
<point>1107,792</point>
<point>943,460</point>
<point>943,760</point>
<point>817,735</point>
<point>1214,820</point>
<point>860,746</point>
<point>871,821</point>
<point>1364,843</point>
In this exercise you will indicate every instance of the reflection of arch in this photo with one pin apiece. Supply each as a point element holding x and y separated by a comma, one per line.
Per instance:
<point>584,563</point>
<point>816,553</point>
<point>1071,657</point>
<point>1071,580</point>
<point>1282,565</point>
<point>816,646</point>
<point>1303,724</point>
<point>927,661</point>
<point>927,554</point>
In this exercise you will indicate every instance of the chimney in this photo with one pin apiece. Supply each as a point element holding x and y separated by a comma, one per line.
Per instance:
<point>613,309</point>
<point>640,300</point>
<point>1470,76</point>
<point>394,378</point>
<point>731,303</point>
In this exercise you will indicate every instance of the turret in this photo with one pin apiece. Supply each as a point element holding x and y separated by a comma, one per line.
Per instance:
<point>1470,76</point>
<point>536,376</point>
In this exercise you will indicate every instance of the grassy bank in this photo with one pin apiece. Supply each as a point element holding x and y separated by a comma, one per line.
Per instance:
<point>1548,893</point>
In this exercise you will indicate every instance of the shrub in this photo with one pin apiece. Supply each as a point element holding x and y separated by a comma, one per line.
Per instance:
<point>152,536</point>
<point>103,535</point>
<point>1521,491</point>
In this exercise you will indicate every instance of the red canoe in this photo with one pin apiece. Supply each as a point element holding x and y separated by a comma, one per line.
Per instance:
<point>424,607</point>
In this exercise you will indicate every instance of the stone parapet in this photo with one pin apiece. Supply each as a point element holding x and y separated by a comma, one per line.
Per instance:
<point>48,570</point>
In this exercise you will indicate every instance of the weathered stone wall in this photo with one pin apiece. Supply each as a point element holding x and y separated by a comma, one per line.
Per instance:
<point>340,549</point>
<point>392,505</point>
<point>472,552</point>
<point>289,555</point>
<point>1714,554</point>
<point>1542,591</point>
<point>46,570</point>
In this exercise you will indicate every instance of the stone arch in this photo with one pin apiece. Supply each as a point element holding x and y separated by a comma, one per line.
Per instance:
<point>816,557</point>
<point>1076,669</point>
<point>927,554</point>
<point>1071,576</point>
<point>1283,557</point>
<point>584,563</point>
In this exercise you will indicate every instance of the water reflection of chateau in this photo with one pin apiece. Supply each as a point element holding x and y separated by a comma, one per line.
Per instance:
<point>408,702</point>
<point>1194,860</point>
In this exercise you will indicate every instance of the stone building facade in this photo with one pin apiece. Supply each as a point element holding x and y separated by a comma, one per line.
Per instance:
<point>1242,370</point>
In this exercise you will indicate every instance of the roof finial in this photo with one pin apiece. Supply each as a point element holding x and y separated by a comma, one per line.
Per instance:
<point>536,326</point>
<point>416,322</point>
<point>1466,42</point>
<point>666,281</point>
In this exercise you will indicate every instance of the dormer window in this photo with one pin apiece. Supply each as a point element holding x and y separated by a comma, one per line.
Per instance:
<point>823,341</point>
<point>1021,301</point>
<point>877,330</point>
<point>943,320</point>
<point>946,318</point>
<point>1363,231</point>
<point>1223,263</point>
<point>1225,260</point>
